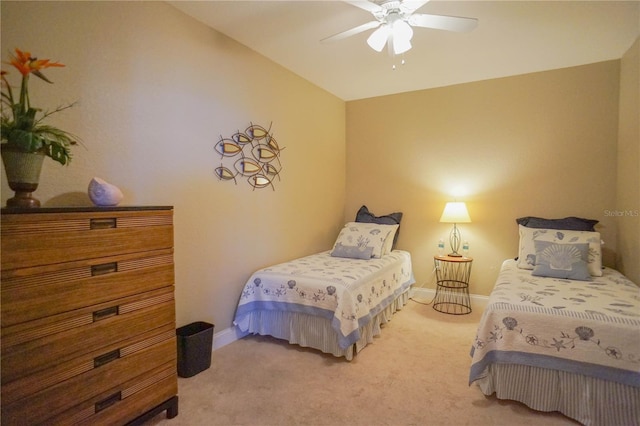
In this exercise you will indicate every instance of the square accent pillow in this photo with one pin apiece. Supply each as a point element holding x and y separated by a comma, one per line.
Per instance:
<point>365,216</point>
<point>527,250</point>
<point>566,261</point>
<point>364,235</point>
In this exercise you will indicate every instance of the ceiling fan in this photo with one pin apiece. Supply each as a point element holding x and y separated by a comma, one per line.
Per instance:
<point>394,22</point>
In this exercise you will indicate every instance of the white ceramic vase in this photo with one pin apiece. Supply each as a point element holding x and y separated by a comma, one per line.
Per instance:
<point>103,193</point>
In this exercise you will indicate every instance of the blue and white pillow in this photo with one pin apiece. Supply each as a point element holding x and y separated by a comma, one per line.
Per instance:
<point>527,249</point>
<point>356,237</point>
<point>352,252</point>
<point>567,261</point>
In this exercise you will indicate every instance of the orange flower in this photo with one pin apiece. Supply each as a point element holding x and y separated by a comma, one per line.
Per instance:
<point>26,64</point>
<point>22,128</point>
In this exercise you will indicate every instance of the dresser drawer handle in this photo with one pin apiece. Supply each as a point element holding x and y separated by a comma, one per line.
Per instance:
<point>105,268</point>
<point>106,358</point>
<point>102,223</point>
<point>105,313</point>
<point>107,402</point>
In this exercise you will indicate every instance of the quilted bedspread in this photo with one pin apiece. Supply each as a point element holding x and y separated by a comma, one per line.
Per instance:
<point>585,327</point>
<point>348,292</point>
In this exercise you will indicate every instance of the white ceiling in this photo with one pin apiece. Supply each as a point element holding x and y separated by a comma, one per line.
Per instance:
<point>512,37</point>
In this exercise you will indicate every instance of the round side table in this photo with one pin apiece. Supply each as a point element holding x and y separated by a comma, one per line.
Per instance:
<point>452,284</point>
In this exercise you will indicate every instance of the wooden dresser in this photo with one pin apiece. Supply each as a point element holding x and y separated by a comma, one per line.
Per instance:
<point>88,315</point>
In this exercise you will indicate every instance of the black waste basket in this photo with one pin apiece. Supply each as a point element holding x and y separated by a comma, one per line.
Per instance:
<point>195,342</point>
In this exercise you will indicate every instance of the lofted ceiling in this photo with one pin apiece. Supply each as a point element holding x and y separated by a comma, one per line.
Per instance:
<point>512,37</point>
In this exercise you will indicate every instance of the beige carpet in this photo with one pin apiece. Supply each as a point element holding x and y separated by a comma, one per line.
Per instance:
<point>415,373</point>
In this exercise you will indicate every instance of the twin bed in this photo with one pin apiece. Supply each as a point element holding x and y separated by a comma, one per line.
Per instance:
<point>334,301</point>
<point>329,303</point>
<point>557,343</point>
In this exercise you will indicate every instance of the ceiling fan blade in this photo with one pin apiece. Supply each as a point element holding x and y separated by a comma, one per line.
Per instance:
<point>441,22</point>
<point>410,6</point>
<point>378,39</point>
<point>352,31</point>
<point>365,5</point>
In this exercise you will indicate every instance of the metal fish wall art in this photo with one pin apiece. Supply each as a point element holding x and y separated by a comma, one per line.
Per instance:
<point>228,148</point>
<point>254,154</point>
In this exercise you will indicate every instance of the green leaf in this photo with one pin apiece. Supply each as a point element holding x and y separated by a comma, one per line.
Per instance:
<point>25,140</point>
<point>58,153</point>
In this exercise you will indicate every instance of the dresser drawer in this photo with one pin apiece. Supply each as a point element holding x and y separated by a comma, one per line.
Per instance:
<point>136,400</point>
<point>47,238</point>
<point>109,378</point>
<point>137,396</point>
<point>31,293</point>
<point>30,347</point>
<point>52,376</point>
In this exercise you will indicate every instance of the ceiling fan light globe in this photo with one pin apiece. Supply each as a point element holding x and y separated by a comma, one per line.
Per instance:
<point>401,45</point>
<point>378,38</point>
<point>401,29</point>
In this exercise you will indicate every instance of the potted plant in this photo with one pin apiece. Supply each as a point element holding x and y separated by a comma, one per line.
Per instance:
<point>25,138</point>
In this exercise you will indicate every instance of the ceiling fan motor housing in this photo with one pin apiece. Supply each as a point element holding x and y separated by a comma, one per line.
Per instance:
<point>387,9</point>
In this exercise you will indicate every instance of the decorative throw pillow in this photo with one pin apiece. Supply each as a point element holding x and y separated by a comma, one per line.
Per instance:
<point>566,261</point>
<point>353,252</point>
<point>568,223</point>
<point>527,250</point>
<point>365,216</point>
<point>364,235</point>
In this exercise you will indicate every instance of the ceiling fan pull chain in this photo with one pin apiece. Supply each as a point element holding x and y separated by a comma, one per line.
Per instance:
<point>402,62</point>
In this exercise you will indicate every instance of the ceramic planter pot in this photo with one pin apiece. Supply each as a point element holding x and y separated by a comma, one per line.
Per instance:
<point>23,175</point>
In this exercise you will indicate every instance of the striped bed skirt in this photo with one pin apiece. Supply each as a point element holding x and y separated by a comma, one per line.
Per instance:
<point>590,401</point>
<point>315,332</point>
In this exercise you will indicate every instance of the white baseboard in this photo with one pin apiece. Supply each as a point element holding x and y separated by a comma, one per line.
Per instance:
<point>231,334</point>
<point>226,336</point>
<point>478,301</point>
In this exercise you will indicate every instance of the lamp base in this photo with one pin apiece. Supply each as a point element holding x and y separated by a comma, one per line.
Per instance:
<point>454,255</point>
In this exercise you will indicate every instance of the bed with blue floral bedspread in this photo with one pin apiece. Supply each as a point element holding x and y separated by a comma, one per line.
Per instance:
<point>334,304</point>
<point>562,345</point>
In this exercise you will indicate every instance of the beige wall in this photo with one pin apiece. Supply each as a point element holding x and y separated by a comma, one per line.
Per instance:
<point>156,89</point>
<point>541,144</point>
<point>627,205</point>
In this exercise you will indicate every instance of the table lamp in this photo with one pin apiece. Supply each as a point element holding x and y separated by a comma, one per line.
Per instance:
<point>455,212</point>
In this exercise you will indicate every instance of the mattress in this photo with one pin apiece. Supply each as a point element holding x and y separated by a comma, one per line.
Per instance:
<point>346,295</point>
